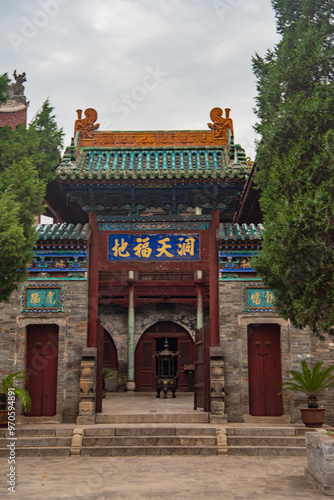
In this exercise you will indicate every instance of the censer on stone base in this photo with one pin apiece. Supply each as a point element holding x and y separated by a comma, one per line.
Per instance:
<point>166,378</point>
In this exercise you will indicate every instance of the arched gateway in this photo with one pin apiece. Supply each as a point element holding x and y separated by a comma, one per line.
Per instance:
<point>152,341</point>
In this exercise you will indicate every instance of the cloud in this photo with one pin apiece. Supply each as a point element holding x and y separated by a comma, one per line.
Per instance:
<point>92,54</point>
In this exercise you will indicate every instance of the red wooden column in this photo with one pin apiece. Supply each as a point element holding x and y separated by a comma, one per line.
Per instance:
<point>93,282</point>
<point>214,281</point>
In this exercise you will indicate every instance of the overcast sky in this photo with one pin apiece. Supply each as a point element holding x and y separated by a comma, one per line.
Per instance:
<point>142,64</point>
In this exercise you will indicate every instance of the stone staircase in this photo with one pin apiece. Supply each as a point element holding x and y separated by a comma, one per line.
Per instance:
<point>154,434</point>
<point>153,417</point>
<point>149,439</point>
<point>120,435</point>
<point>37,442</point>
<point>266,441</point>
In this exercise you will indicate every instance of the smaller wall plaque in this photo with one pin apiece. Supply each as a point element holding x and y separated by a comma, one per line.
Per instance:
<point>256,298</point>
<point>40,297</point>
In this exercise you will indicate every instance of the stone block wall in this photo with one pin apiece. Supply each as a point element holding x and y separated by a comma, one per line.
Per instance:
<point>324,351</point>
<point>296,345</point>
<point>72,327</point>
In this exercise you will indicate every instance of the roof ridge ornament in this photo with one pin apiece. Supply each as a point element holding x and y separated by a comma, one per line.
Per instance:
<point>86,126</point>
<point>220,124</point>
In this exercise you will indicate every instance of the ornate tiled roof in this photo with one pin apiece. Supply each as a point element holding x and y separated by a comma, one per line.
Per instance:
<point>228,232</point>
<point>63,231</point>
<point>150,163</point>
<point>172,154</point>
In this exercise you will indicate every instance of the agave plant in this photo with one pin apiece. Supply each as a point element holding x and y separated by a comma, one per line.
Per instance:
<point>10,383</point>
<point>310,382</point>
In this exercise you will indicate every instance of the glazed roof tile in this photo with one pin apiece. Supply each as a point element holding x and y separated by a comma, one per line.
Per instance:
<point>227,232</point>
<point>150,163</point>
<point>63,231</point>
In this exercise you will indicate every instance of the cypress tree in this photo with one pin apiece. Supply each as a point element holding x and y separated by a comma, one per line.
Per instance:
<point>295,158</point>
<point>28,159</point>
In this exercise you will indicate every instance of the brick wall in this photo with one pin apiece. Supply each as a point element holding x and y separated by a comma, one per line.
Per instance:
<point>72,327</point>
<point>14,118</point>
<point>296,345</point>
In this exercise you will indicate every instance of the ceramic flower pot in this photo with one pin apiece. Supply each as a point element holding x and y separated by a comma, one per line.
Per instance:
<point>313,417</point>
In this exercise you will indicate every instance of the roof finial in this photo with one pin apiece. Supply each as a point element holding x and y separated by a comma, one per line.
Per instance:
<point>220,124</point>
<point>86,126</point>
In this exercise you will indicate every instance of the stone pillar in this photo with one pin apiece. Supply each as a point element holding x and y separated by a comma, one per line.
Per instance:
<point>217,394</point>
<point>131,335</point>
<point>87,387</point>
<point>199,276</point>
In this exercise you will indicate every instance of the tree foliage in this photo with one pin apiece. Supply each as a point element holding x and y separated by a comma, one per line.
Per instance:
<point>295,157</point>
<point>4,81</point>
<point>28,159</point>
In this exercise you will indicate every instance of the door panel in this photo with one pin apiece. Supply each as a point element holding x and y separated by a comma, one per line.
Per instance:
<point>145,365</point>
<point>42,367</point>
<point>264,370</point>
<point>186,357</point>
<point>110,359</point>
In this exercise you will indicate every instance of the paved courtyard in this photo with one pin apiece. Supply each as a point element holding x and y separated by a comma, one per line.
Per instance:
<point>186,478</point>
<point>148,477</point>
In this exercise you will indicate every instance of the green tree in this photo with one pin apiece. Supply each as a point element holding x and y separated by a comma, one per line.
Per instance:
<point>28,159</point>
<point>4,81</point>
<point>295,158</point>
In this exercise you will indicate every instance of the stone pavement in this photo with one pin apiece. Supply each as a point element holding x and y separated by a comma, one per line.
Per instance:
<point>164,477</point>
<point>143,402</point>
<point>186,478</point>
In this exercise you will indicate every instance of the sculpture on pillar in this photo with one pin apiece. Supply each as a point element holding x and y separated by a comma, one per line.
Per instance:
<point>17,87</point>
<point>217,393</point>
<point>87,405</point>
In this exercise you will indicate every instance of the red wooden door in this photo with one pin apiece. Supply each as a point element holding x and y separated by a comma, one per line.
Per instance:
<point>264,370</point>
<point>145,365</point>
<point>202,368</point>
<point>99,365</point>
<point>42,367</point>
<point>110,359</point>
<point>153,340</point>
<point>185,347</point>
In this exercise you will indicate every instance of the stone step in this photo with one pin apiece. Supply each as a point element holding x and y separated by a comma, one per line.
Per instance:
<point>147,430</point>
<point>281,451</point>
<point>36,451</point>
<point>267,431</point>
<point>42,432</point>
<point>148,441</point>
<point>119,451</point>
<point>287,441</point>
<point>34,441</point>
<point>158,418</point>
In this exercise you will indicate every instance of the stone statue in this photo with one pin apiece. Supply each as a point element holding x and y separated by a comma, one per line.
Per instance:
<point>17,87</point>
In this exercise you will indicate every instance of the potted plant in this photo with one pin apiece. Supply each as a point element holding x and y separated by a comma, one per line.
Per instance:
<point>105,374</point>
<point>310,382</point>
<point>8,383</point>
